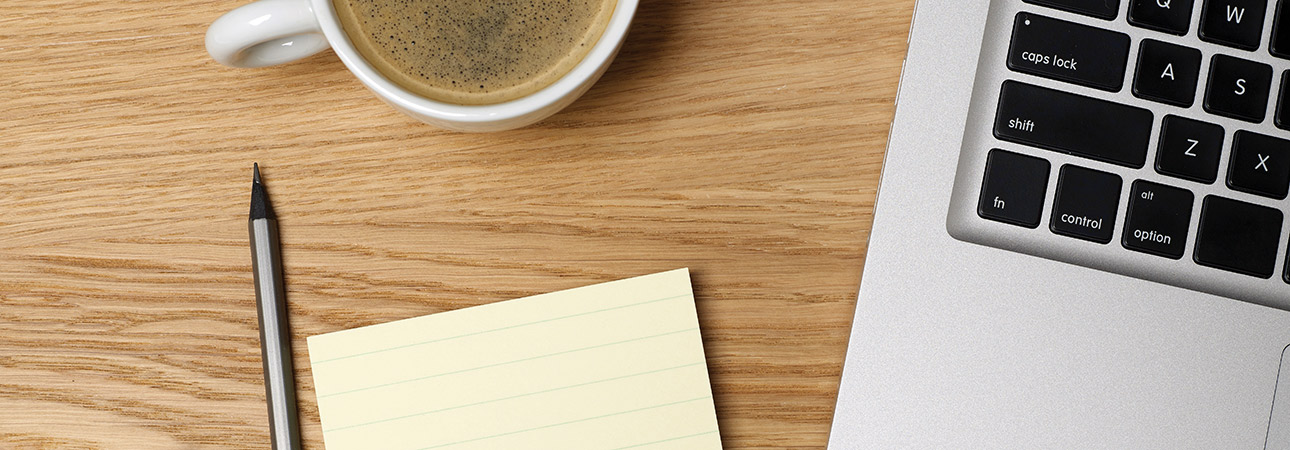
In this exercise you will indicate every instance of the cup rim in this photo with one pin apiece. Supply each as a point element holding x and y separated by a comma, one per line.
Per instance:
<point>565,86</point>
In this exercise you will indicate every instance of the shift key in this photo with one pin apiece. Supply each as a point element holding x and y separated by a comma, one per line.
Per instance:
<point>1073,124</point>
<point>1069,52</point>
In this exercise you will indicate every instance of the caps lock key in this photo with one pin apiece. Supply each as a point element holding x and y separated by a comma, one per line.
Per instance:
<point>1069,52</point>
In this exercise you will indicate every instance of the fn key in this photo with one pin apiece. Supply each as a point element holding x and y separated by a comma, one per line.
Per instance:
<point>1014,188</point>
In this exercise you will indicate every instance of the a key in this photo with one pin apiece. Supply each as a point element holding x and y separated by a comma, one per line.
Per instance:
<point>1279,45</point>
<point>1167,73</point>
<point>1189,149</point>
<point>1068,52</point>
<point>1157,220</point>
<point>1238,88</point>
<point>1260,165</point>
<point>1237,236</point>
<point>1235,23</point>
<point>1014,188</point>
<point>1169,16</point>
<point>1102,9</point>
<point>1085,204</point>
<point>1075,124</point>
<point>1283,103</point>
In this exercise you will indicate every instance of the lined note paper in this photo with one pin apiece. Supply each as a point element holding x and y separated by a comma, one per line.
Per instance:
<point>617,365</point>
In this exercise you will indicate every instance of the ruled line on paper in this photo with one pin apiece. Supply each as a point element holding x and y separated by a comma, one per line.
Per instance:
<point>477,333</point>
<point>489,366</point>
<point>651,372</point>
<point>708,397</point>
<point>664,441</point>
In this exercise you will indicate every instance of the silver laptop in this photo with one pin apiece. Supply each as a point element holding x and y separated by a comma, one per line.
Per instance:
<point>1081,233</point>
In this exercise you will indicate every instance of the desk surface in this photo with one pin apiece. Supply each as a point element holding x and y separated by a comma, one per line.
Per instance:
<point>740,139</point>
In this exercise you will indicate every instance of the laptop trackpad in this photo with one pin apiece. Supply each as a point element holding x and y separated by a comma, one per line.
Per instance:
<point>1279,427</point>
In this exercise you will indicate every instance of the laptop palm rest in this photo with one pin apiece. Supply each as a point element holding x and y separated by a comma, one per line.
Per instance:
<point>1279,426</point>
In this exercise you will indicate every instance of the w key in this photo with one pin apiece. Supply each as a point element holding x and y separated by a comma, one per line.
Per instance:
<point>1069,52</point>
<point>1236,23</point>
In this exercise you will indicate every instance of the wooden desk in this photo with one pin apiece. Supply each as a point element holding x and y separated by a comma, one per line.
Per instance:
<point>742,139</point>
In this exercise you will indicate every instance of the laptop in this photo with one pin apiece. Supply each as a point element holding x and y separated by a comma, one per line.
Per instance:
<point>1080,238</point>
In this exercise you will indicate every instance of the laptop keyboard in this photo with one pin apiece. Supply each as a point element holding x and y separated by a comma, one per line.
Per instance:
<point>1155,119</point>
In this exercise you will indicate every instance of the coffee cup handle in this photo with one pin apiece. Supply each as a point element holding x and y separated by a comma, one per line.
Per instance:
<point>265,33</point>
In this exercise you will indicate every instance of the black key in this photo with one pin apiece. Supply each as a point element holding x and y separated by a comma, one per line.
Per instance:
<point>1286,275</point>
<point>1171,16</point>
<point>1157,220</point>
<point>1260,165</point>
<point>1283,103</point>
<point>1167,73</point>
<point>1086,203</point>
<point>1068,52</point>
<point>1074,124</point>
<point>1235,23</point>
<point>1189,149</point>
<point>1280,44</point>
<point>1102,9</point>
<point>1014,188</point>
<point>1238,236</point>
<point>1238,88</point>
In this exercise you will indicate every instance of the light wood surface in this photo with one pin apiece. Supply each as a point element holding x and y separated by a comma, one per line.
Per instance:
<point>742,139</point>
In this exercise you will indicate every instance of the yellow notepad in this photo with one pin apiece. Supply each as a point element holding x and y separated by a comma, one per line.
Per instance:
<point>617,365</point>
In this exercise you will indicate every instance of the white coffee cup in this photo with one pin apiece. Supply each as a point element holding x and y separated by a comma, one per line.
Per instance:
<point>270,32</point>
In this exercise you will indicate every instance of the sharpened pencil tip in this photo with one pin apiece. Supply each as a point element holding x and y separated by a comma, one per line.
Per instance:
<point>260,208</point>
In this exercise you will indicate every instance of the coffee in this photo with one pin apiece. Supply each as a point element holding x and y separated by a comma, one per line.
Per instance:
<point>474,52</point>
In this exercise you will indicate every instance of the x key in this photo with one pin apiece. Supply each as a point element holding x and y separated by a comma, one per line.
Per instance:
<point>1260,165</point>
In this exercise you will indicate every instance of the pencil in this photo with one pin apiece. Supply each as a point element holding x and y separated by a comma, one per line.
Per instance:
<point>275,335</point>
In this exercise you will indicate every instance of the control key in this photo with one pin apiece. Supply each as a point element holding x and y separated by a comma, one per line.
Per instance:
<point>1085,204</point>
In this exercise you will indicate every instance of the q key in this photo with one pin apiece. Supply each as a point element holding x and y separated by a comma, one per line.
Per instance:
<point>1169,16</point>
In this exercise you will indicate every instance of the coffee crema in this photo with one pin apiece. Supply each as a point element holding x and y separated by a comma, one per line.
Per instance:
<point>474,52</point>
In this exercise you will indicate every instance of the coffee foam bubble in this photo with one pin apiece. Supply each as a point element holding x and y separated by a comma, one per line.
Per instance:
<point>474,51</point>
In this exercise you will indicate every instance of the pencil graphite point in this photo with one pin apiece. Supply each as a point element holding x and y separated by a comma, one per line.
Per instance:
<point>260,207</point>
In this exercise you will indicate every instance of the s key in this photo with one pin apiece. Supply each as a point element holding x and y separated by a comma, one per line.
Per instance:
<point>1238,88</point>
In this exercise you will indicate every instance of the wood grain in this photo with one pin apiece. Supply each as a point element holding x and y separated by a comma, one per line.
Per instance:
<point>742,139</point>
